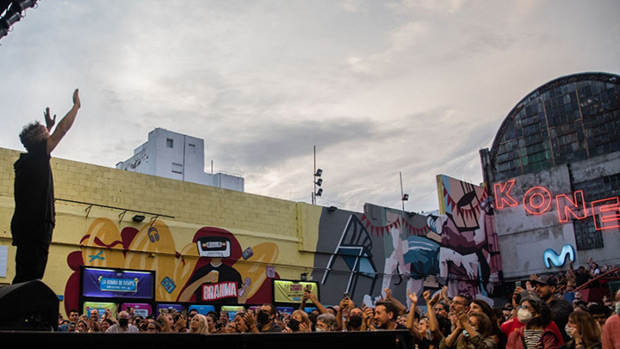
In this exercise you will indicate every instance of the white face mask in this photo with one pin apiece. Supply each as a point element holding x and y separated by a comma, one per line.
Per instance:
<point>618,307</point>
<point>524,316</point>
<point>567,329</point>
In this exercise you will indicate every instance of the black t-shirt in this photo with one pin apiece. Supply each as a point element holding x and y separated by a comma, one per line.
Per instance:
<point>224,291</point>
<point>34,216</point>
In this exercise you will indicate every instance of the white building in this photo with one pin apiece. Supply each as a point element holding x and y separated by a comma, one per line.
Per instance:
<point>177,156</point>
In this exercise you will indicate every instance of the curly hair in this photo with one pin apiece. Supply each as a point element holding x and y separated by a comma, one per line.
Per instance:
<point>33,134</point>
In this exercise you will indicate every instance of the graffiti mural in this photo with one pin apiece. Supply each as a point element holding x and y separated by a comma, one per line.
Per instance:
<point>209,268</point>
<point>363,254</point>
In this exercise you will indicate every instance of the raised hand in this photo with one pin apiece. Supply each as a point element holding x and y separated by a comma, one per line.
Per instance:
<point>413,297</point>
<point>76,98</point>
<point>49,122</point>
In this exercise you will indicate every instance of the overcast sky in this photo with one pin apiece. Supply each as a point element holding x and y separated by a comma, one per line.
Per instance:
<point>380,87</point>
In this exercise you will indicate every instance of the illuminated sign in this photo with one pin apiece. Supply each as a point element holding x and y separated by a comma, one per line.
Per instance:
<point>558,260</point>
<point>538,200</point>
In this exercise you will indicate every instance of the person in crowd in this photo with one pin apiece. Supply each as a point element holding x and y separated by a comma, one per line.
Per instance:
<point>180,325</point>
<point>142,325</point>
<point>478,305</point>
<point>473,330</point>
<point>611,330</point>
<point>81,326</point>
<point>385,314</point>
<point>264,321</point>
<point>123,325</point>
<point>309,295</point>
<point>460,304</point>
<point>599,313</point>
<point>431,332</point>
<point>355,321</point>
<point>344,311</point>
<point>545,287</point>
<point>153,327</point>
<point>105,324</point>
<point>326,323</point>
<point>442,311</point>
<point>212,323</point>
<point>299,322</point>
<point>222,321</point>
<point>198,324</point>
<point>583,330</point>
<point>536,315</point>
<point>238,324</point>
<point>163,323</point>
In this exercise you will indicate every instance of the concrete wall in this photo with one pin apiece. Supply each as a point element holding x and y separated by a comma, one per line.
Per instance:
<point>269,238</point>
<point>524,237</point>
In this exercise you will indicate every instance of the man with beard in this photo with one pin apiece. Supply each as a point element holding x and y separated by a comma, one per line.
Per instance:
<point>545,287</point>
<point>385,319</point>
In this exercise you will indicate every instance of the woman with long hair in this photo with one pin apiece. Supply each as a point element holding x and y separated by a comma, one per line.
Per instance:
<point>583,330</point>
<point>497,335</point>
<point>198,324</point>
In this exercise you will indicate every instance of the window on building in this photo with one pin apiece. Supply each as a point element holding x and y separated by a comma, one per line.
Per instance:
<point>169,142</point>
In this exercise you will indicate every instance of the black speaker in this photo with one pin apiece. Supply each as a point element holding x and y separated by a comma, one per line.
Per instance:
<point>28,306</point>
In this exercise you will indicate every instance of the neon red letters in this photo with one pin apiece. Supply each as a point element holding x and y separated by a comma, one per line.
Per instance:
<point>537,200</point>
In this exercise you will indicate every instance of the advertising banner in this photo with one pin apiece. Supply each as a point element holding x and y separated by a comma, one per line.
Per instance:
<point>108,283</point>
<point>285,291</point>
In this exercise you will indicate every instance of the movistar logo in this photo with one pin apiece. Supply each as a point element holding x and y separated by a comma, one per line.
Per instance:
<point>558,260</point>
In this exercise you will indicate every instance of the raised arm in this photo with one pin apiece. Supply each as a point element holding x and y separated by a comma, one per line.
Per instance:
<point>316,302</point>
<point>388,296</point>
<point>432,318</point>
<point>64,125</point>
<point>413,328</point>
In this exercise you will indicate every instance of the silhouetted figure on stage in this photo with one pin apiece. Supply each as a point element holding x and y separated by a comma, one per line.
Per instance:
<point>34,217</point>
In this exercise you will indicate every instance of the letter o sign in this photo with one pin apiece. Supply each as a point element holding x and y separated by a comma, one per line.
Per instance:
<point>537,200</point>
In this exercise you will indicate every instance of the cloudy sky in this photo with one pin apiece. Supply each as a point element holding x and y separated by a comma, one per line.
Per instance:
<point>379,87</point>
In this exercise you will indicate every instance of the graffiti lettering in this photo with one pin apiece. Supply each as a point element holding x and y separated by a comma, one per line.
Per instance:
<point>537,200</point>
<point>211,292</point>
<point>558,260</point>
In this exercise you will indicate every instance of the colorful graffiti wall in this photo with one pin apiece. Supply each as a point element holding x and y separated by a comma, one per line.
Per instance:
<point>363,253</point>
<point>214,246</point>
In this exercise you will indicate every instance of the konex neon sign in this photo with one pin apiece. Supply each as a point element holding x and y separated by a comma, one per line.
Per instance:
<point>538,200</point>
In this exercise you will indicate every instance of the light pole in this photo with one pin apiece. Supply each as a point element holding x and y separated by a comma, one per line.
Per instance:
<point>317,180</point>
<point>404,197</point>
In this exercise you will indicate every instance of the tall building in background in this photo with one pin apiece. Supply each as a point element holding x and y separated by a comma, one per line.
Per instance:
<point>553,172</point>
<point>177,156</point>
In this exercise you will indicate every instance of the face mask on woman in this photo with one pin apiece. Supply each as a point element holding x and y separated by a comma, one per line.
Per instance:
<point>567,329</point>
<point>524,316</point>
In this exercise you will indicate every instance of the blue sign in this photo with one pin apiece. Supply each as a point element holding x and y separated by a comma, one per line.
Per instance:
<point>558,260</point>
<point>109,283</point>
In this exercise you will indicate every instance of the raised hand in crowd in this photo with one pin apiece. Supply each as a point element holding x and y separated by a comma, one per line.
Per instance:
<point>368,316</point>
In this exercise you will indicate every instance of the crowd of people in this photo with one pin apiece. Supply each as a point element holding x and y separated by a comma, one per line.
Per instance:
<point>535,318</point>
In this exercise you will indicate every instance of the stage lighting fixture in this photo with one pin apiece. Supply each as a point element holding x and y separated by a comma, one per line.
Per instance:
<point>10,18</point>
<point>318,173</point>
<point>318,193</point>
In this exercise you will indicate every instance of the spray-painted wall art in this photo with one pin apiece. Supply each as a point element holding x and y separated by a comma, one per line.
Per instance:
<point>362,254</point>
